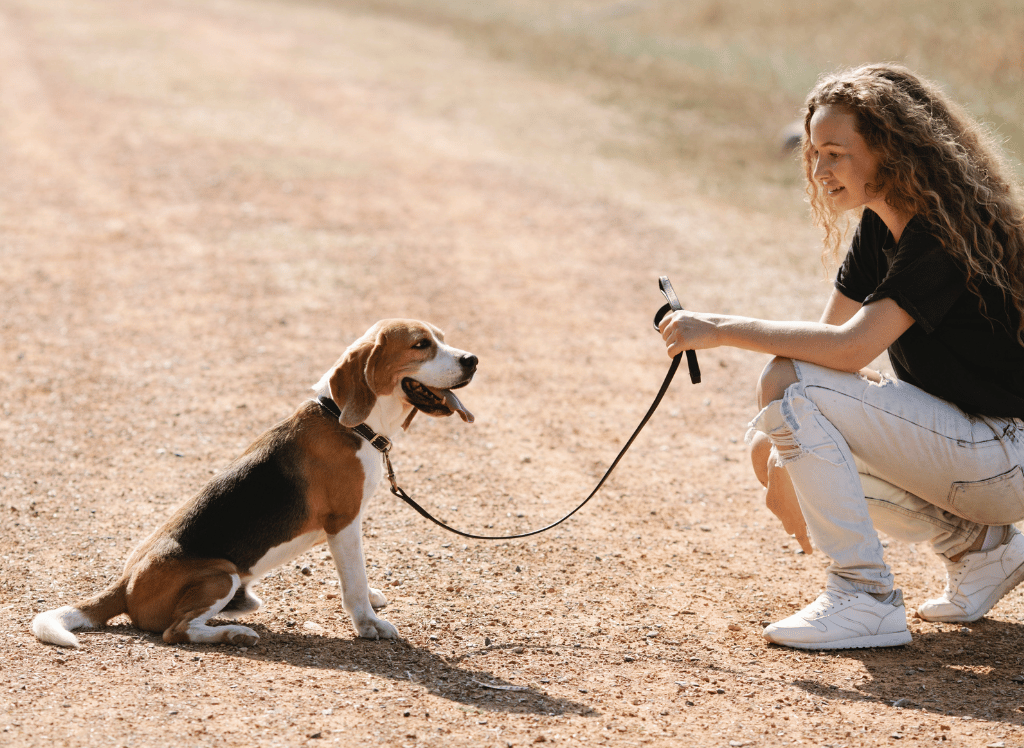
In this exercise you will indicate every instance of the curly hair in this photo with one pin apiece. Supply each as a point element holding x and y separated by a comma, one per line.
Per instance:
<point>934,161</point>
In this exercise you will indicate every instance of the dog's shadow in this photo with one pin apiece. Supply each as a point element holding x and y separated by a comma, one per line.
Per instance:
<point>450,678</point>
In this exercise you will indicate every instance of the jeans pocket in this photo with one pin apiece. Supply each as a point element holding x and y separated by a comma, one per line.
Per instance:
<point>993,501</point>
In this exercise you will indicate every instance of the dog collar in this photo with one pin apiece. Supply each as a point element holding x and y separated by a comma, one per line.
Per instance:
<point>378,441</point>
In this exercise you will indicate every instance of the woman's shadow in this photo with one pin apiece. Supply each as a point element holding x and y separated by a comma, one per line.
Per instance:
<point>965,670</point>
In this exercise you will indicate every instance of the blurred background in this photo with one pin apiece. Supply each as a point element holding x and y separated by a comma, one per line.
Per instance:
<point>713,83</point>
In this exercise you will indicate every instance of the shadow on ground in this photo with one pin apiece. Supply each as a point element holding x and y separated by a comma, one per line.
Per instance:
<point>963,671</point>
<point>397,660</point>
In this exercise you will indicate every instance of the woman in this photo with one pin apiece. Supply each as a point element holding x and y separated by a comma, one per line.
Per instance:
<point>934,275</point>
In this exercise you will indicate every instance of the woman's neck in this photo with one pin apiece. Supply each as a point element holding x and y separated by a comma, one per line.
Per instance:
<point>894,220</point>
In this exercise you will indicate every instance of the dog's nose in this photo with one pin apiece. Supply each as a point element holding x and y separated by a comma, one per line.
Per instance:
<point>469,361</point>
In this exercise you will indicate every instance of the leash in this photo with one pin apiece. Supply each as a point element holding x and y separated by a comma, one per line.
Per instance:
<point>383,445</point>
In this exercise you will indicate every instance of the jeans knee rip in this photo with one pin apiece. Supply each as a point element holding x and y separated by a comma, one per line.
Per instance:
<point>796,428</point>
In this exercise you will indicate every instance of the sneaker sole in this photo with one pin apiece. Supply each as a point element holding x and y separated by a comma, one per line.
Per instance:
<point>997,594</point>
<point>897,639</point>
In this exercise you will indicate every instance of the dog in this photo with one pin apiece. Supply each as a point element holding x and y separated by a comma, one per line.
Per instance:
<point>306,480</point>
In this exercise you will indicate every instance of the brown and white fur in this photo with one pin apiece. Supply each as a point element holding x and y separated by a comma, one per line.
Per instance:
<point>305,481</point>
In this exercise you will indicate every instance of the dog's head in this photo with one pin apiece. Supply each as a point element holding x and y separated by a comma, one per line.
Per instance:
<point>405,354</point>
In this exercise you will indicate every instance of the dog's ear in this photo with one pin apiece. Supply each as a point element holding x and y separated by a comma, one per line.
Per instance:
<point>353,383</point>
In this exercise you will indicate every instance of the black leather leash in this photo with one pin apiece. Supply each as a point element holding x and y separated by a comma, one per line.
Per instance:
<point>383,445</point>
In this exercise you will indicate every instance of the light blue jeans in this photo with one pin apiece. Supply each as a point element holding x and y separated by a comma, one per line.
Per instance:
<point>863,455</point>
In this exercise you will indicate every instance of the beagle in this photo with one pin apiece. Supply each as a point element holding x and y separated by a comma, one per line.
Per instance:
<point>304,481</point>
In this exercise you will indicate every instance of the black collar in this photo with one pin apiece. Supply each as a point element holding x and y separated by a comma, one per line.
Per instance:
<point>378,441</point>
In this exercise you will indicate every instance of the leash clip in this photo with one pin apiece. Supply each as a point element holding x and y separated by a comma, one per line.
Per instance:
<point>391,472</point>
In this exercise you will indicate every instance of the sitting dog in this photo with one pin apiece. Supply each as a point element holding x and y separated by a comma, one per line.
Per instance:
<point>304,481</point>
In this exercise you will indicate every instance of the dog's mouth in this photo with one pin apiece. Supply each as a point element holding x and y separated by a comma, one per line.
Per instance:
<point>436,402</point>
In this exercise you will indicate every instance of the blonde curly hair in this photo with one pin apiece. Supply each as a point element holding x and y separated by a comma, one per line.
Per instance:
<point>934,161</point>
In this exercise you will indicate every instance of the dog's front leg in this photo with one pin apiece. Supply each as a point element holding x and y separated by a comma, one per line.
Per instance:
<point>347,549</point>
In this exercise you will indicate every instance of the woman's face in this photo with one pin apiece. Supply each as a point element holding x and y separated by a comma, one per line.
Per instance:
<point>843,163</point>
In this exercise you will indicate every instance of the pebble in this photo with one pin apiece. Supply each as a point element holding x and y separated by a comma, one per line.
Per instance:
<point>734,627</point>
<point>316,628</point>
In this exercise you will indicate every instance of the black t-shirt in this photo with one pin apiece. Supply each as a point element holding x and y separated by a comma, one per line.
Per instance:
<point>952,351</point>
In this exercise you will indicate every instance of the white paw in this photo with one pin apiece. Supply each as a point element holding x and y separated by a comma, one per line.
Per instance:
<point>377,599</point>
<point>376,628</point>
<point>241,636</point>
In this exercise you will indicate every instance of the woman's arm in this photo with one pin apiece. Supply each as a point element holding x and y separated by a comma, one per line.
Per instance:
<point>849,337</point>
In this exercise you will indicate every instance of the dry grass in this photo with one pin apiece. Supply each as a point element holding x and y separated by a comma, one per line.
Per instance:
<point>710,84</point>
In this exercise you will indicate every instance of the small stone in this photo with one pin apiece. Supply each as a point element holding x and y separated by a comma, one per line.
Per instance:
<point>628,658</point>
<point>487,642</point>
<point>306,571</point>
<point>901,702</point>
<point>518,650</point>
<point>734,627</point>
<point>313,626</point>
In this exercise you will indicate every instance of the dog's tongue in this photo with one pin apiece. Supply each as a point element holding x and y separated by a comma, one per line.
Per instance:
<point>454,404</point>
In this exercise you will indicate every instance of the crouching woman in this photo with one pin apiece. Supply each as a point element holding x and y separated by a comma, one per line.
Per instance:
<point>934,275</point>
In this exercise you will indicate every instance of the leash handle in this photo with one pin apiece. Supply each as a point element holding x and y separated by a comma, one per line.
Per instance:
<point>673,305</point>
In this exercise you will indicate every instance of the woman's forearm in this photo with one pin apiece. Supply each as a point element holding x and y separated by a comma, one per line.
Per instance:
<point>849,346</point>
<point>834,346</point>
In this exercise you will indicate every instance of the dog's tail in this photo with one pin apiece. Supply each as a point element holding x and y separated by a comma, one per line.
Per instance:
<point>55,626</point>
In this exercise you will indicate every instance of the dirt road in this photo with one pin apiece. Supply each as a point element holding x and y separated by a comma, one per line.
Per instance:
<point>203,203</point>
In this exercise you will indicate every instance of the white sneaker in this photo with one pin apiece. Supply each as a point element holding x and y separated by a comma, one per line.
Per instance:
<point>844,620</point>
<point>977,582</point>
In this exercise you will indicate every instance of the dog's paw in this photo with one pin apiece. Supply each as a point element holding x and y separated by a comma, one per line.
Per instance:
<point>376,628</point>
<point>377,599</point>
<point>242,636</point>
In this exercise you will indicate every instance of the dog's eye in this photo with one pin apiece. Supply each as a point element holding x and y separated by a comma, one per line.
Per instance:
<point>421,344</point>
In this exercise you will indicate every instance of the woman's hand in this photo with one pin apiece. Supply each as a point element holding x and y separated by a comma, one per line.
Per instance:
<point>688,331</point>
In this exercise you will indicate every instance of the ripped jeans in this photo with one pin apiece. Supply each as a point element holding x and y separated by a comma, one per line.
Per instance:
<point>890,456</point>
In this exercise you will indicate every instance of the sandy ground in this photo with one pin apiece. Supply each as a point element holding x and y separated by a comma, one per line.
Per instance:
<point>203,203</point>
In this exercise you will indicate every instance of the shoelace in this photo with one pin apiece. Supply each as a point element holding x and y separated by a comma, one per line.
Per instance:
<point>828,601</point>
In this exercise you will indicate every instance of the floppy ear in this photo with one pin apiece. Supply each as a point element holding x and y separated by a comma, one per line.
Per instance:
<point>350,382</point>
